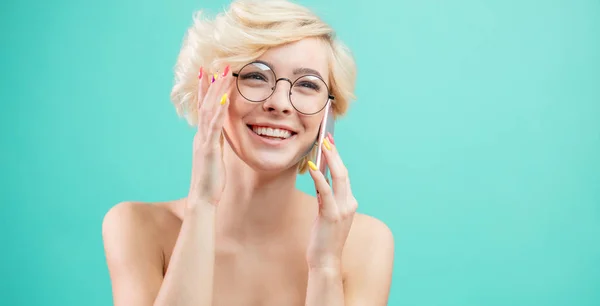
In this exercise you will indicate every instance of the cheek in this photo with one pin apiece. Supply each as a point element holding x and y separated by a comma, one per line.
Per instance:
<point>234,116</point>
<point>311,126</point>
<point>239,108</point>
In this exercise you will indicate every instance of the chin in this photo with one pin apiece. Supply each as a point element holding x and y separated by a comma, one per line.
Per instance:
<point>271,164</point>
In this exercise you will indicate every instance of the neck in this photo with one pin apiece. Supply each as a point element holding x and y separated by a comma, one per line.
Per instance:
<point>256,205</point>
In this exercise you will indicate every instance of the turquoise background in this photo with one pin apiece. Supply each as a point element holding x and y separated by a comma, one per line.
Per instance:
<point>475,137</point>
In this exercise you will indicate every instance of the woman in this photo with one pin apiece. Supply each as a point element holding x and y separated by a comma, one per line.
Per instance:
<point>255,81</point>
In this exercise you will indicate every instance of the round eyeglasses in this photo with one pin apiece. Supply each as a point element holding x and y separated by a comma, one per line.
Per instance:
<point>256,82</point>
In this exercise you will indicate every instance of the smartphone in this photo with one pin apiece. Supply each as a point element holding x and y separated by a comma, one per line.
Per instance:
<point>327,127</point>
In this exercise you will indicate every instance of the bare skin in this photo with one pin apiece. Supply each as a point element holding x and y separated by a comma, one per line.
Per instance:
<point>247,272</point>
<point>251,238</point>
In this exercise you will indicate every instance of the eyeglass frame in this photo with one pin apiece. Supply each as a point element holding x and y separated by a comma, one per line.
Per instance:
<point>329,95</point>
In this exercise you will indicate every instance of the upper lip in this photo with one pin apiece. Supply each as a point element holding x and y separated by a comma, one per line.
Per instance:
<point>272,125</point>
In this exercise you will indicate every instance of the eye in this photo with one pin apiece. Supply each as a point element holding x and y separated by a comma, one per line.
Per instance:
<point>309,85</point>
<point>254,76</point>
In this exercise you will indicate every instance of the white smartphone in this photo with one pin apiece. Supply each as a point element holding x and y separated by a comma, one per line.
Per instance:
<point>327,127</point>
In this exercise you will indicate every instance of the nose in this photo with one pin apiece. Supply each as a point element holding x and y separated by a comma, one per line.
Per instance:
<point>279,101</point>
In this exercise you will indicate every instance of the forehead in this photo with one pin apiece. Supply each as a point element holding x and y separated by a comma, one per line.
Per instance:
<point>306,53</point>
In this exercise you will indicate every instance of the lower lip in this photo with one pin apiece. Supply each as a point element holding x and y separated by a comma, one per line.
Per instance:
<point>269,141</point>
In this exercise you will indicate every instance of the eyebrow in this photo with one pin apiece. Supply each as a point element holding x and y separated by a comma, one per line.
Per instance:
<point>306,71</point>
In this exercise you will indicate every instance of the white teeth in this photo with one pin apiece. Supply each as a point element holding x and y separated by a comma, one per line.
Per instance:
<point>272,132</point>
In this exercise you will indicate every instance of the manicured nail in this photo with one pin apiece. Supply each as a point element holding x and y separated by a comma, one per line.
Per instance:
<point>200,73</point>
<point>223,99</point>
<point>226,71</point>
<point>330,138</point>
<point>326,144</point>
<point>312,165</point>
<point>212,80</point>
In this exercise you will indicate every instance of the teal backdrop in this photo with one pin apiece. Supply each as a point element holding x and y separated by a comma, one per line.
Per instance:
<point>475,137</point>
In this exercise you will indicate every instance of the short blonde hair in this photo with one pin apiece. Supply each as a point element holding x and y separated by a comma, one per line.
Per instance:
<point>242,34</point>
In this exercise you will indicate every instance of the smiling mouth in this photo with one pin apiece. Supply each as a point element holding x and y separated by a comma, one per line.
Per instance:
<point>271,133</point>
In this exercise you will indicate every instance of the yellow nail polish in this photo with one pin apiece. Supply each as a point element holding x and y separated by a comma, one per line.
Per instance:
<point>216,76</point>
<point>223,99</point>
<point>327,144</point>
<point>312,165</point>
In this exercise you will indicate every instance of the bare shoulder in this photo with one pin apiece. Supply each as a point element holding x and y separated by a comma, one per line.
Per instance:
<point>128,215</point>
<point>128,229</point>
<point>138,224</point>
<point>137,218</point>
<point>134,235</point>
<point>368,261</point>
<point>367,235</point>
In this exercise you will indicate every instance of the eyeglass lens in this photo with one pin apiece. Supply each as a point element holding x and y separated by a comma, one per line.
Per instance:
<point>256,82</point>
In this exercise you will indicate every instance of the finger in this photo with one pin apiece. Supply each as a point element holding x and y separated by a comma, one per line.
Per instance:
<point>209,88</point>
<point>203,88</point>
<point>203,81</point>
<point>327,202</point>
<point>211,91</point>
<point>339,173</point>
<point>216,125</point>
<point>345,201</point>
<point>223,82</point>
<point>217,100</point>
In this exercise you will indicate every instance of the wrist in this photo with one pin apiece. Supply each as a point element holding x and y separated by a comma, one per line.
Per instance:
<point>329,265</point>
<point>197,205</point>
<point>329,272</point>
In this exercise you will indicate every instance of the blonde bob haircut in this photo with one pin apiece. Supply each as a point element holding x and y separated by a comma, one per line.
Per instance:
<point>242,34</point>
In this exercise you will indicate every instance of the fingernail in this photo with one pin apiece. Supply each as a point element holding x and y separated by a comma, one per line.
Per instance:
<point>330,138</point>
<point>200,73</point>
<point>213,78</point>
<point>326,144</point>
<point>223,99</point>
<point>312,165</point>
<point>226,71</point>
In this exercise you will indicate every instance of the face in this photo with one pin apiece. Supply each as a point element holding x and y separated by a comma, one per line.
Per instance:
<point>273,135</point>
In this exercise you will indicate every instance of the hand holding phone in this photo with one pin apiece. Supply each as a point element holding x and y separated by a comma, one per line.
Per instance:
<point>336,203</point>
